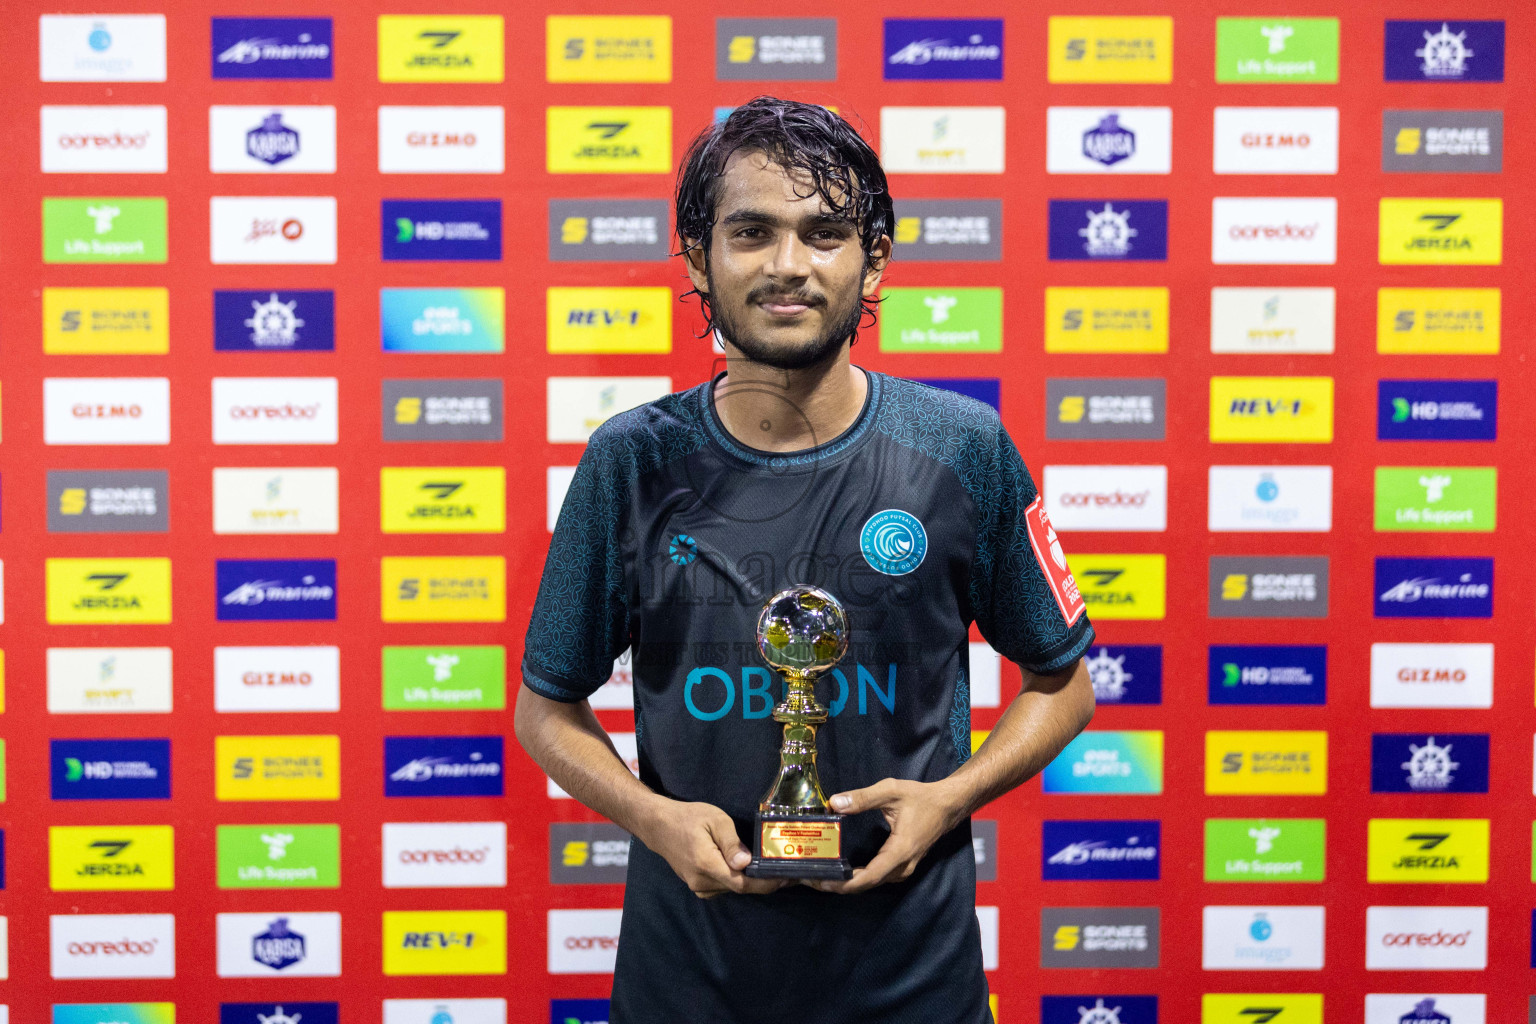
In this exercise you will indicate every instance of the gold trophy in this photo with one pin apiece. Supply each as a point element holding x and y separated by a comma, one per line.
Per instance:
<point>801,632</point>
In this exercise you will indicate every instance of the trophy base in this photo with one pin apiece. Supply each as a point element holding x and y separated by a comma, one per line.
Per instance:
<point>799,846</point>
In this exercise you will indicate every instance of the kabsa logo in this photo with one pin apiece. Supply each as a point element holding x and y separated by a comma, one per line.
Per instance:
<point>1261,1009</point>
<point>1262,938</point>
<point>108,501</point>
<point>1278,231</point>
<point>427,589</point>
<point>441,229</point>
<point>1100,850</point>
<point>1098,49</point>
<point>1437,410</point>
<point>288,1012</point>
<point>268,945</point>
<point>106,321</point>
<point>116,858</point>
<point>1130,674</point>
<point>1431,675</point>
<point>1267,675</point>
<point>106,410</point>
<point>1421,1009</point>
<point>1105,408</point>
<point>445,678</point>
<point>1097,1009</point>
<point>1100,937</point>
<point>108,230</point>
<point>434,942</point>
<point>608,140</point>
<point>451,1011</point>
<point>1434,588</point>
<point>1427,850</point>
<point>274,321</point>
<point>590,853</point>
<point>1108,140</point>
<point>1277,49</point>
<point>1122,586</point>
<point>112,946</point>
<point>1438,498</point>
<point>1266,762</point>
<point>608,320</point>
<point>1106,319</point>
<point>443,319</point>
<point>101,47</point>
<point>445,499</point>
<point>441,48</point>
<point>1108,229</point>
<point>1448,231</point>
<point>104,140</point>
<point>288,589</point>
<point>942,140</point>
<point>1268,587</point>
<point>608,230</point>
<point>1442,141</point>
<point>1265,850</point>
<point>1451,321</point>
<point>1277,410</point>
<point>109,680</point>
<point>272,229</point>
<point>608,48</point>
<point>576,406</point>
<point>1272,319</point>
<point>442,410</point>
<point>103,591</point>
<point>941,320</point>
<point>430,855</point>
<point>272,140</point>
<point>264,679</point>
<point>583,941</point>
<point>271,48</point>
<point>277,768</point>
<point>1437,938</point>
<point>279,856</point>
<point>1270,499</point>
<point>442,140</point>
<point>1421,763</point>
<point>443,766</point>
<point>110,769</point>
<point>1108,762</point>
<point>290,500</point>
<point>775,49</point>
<point>1277,140</point>
<point>1114,498</point>
<point>274,410</point>
<point>1444,51</point>
<point>924,49</point>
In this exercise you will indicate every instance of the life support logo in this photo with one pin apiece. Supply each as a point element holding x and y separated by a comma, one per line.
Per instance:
<point>894,542</point>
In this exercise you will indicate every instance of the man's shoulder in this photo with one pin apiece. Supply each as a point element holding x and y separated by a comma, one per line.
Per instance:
<point>937,422</point>
<point>651,434</point>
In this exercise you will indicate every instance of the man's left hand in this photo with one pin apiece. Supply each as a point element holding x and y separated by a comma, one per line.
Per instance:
<point>917,813</point>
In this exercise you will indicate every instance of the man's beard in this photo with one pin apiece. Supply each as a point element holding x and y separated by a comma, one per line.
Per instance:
<point>817,350</point>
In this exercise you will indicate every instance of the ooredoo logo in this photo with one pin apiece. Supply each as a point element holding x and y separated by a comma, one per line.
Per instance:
<point>422,855</point>
<point>1107,497</point>
<point>1426,938</point>
<point>1277,231</point>
<point>583,941</point>
<point>112,945</point>
<point>274,410</point>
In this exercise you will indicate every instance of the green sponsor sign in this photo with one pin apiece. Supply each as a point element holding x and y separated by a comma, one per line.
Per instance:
<point>941,320</point>
<point>1439,498</point>
<point>1277,49</point>
<point>1264,850</point>
<point>279,856</point>
<point>445,678</point>
<point>111,230</point>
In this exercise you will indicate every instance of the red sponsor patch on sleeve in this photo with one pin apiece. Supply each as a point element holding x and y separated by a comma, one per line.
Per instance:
<point>1053,562</point>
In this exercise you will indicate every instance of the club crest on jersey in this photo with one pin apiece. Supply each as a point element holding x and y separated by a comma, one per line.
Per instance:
<point>893,542</point>
<point>1053,561</point>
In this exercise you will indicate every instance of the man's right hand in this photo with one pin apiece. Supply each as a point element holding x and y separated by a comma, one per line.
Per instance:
<point>699,841</point>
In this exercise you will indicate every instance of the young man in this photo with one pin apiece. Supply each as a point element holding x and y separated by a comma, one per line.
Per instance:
<point>909,504</point>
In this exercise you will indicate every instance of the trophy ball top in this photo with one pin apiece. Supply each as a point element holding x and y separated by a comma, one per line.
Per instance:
<point>802,629</point>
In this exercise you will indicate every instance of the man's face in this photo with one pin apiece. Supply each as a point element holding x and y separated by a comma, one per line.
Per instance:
<point>784,275</point>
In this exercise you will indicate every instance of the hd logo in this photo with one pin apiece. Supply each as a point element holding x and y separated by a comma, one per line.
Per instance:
<point>609,320</point>
<point>1458,231</point>
<point>440,48</point>
<point>1268,1008</point>
<point>443,499</point>
<point>1429,850</point>
<point>118,857</point>
<point>277,767</point>
<point>1266,762</point>
<point>608,140</point>
<point>1122,586</point>
<point>108,591</point>
<point>433,942</point>
<point>607,48</point>
<point>1437,410</point>
<point>106,321</point>
<point>469,589</point>
<point>1445,321</point>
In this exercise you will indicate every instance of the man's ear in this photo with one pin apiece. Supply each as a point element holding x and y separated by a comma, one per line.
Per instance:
<point>879,259</point>
<point>695,256</point>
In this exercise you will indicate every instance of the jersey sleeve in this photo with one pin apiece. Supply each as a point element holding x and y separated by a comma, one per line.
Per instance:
<point>580,620</point>
<point>1023,595</point>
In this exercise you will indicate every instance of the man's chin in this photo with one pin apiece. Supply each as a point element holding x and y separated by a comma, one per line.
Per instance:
<point>785,353</point>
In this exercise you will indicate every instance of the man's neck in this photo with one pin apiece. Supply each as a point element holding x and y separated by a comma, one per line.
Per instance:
<point>788,410</point>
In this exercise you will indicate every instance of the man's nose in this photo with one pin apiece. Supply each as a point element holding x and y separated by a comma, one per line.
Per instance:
<point>789,258</point>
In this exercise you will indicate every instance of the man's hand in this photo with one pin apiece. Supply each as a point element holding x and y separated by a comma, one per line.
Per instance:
<point>699,841</point>
<point>918,813</point>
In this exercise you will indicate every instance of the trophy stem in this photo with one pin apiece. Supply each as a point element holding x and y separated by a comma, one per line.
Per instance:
<point>797,788</point>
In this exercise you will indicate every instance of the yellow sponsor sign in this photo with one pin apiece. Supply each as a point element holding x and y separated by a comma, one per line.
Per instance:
<point>1466,231</point>
<point>1431,850</point>
<point>1437,321</point>
<point>609,320</point>
<point>108,591</point>
<point>106,321</point>
<point>443,499</point>
<point>111,857</point>
<point>422,942</point>
<point>608,140</point>
<point>1256,1008</point>
<point>277,767</point>
<point>444,589</point>
<point>1098,49</point>
<point>1122,586</point>
<point>1106,319</point>
<point>1274,410</point>
<point>1266,761</point>
<point>440,48</point>
<point>608,48</point>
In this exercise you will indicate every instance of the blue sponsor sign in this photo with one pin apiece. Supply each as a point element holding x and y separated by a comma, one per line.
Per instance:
<point>944,48</point>
<point>1082,851</point>
<point>109,769</point>
<point>441,229</point>
<point>1126,674</point>
<point>274,321</point>
<point>1442,762</point>
<point>264,589</point>
<point>578,1011</point>
<point>1434,588</point>
<point>1444,51</point>
<point>442,766</point>
<point>1098,1009</point>
<point>278,1013</point>
<point>983,389</point>
<point>1108,229</point>
<point>1437,410</point>
<point>260,48</point>
<point>1255,674</point>
<point>2,858</point>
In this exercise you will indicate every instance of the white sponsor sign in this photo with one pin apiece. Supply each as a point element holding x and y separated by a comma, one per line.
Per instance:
<point>442,140</point>
<point>942,140</point>
<point>1272,319</point>
<point>986,676</point>
<point>112,945</point>
<point>101,47</point>
<point>583,941</point>
<point>1278,230</point>
<point>279,945</point>
<point>272,229</point>
<point>5,962</point>
<point>106,410</point>
<point>557,480</point>
<point>1395,1009</point>
<point>987,917</point>
<point>272,140</point>
<point>282,499</point>
<point>618,693</point>
<point>1270,499</point>
<point>277,678</point>
<point>455,1011</point>
<point>1426,938</point>
<point>445,855</point>
<point>274,410</point>
<point>576,406</point>
<point>624,743</point>
<point>1109,140</point>
<point>1431,675</point>
<point>103,140</point>
<point>109,680</point>
<point>1262,938</point>
<point>1129,498</point>
<point>1277,140</point>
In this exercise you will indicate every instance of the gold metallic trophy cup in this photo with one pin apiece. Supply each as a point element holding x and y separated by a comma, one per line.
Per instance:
<point>801,632</point>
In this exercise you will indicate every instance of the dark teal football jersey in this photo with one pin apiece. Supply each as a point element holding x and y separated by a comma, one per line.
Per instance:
<point>920,518</point>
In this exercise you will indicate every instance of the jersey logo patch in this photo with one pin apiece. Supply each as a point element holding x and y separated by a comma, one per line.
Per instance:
<point>1053,561</point>
<point>894,542</point>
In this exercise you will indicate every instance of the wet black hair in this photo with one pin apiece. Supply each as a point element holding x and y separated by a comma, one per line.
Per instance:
<point>843,170</point>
